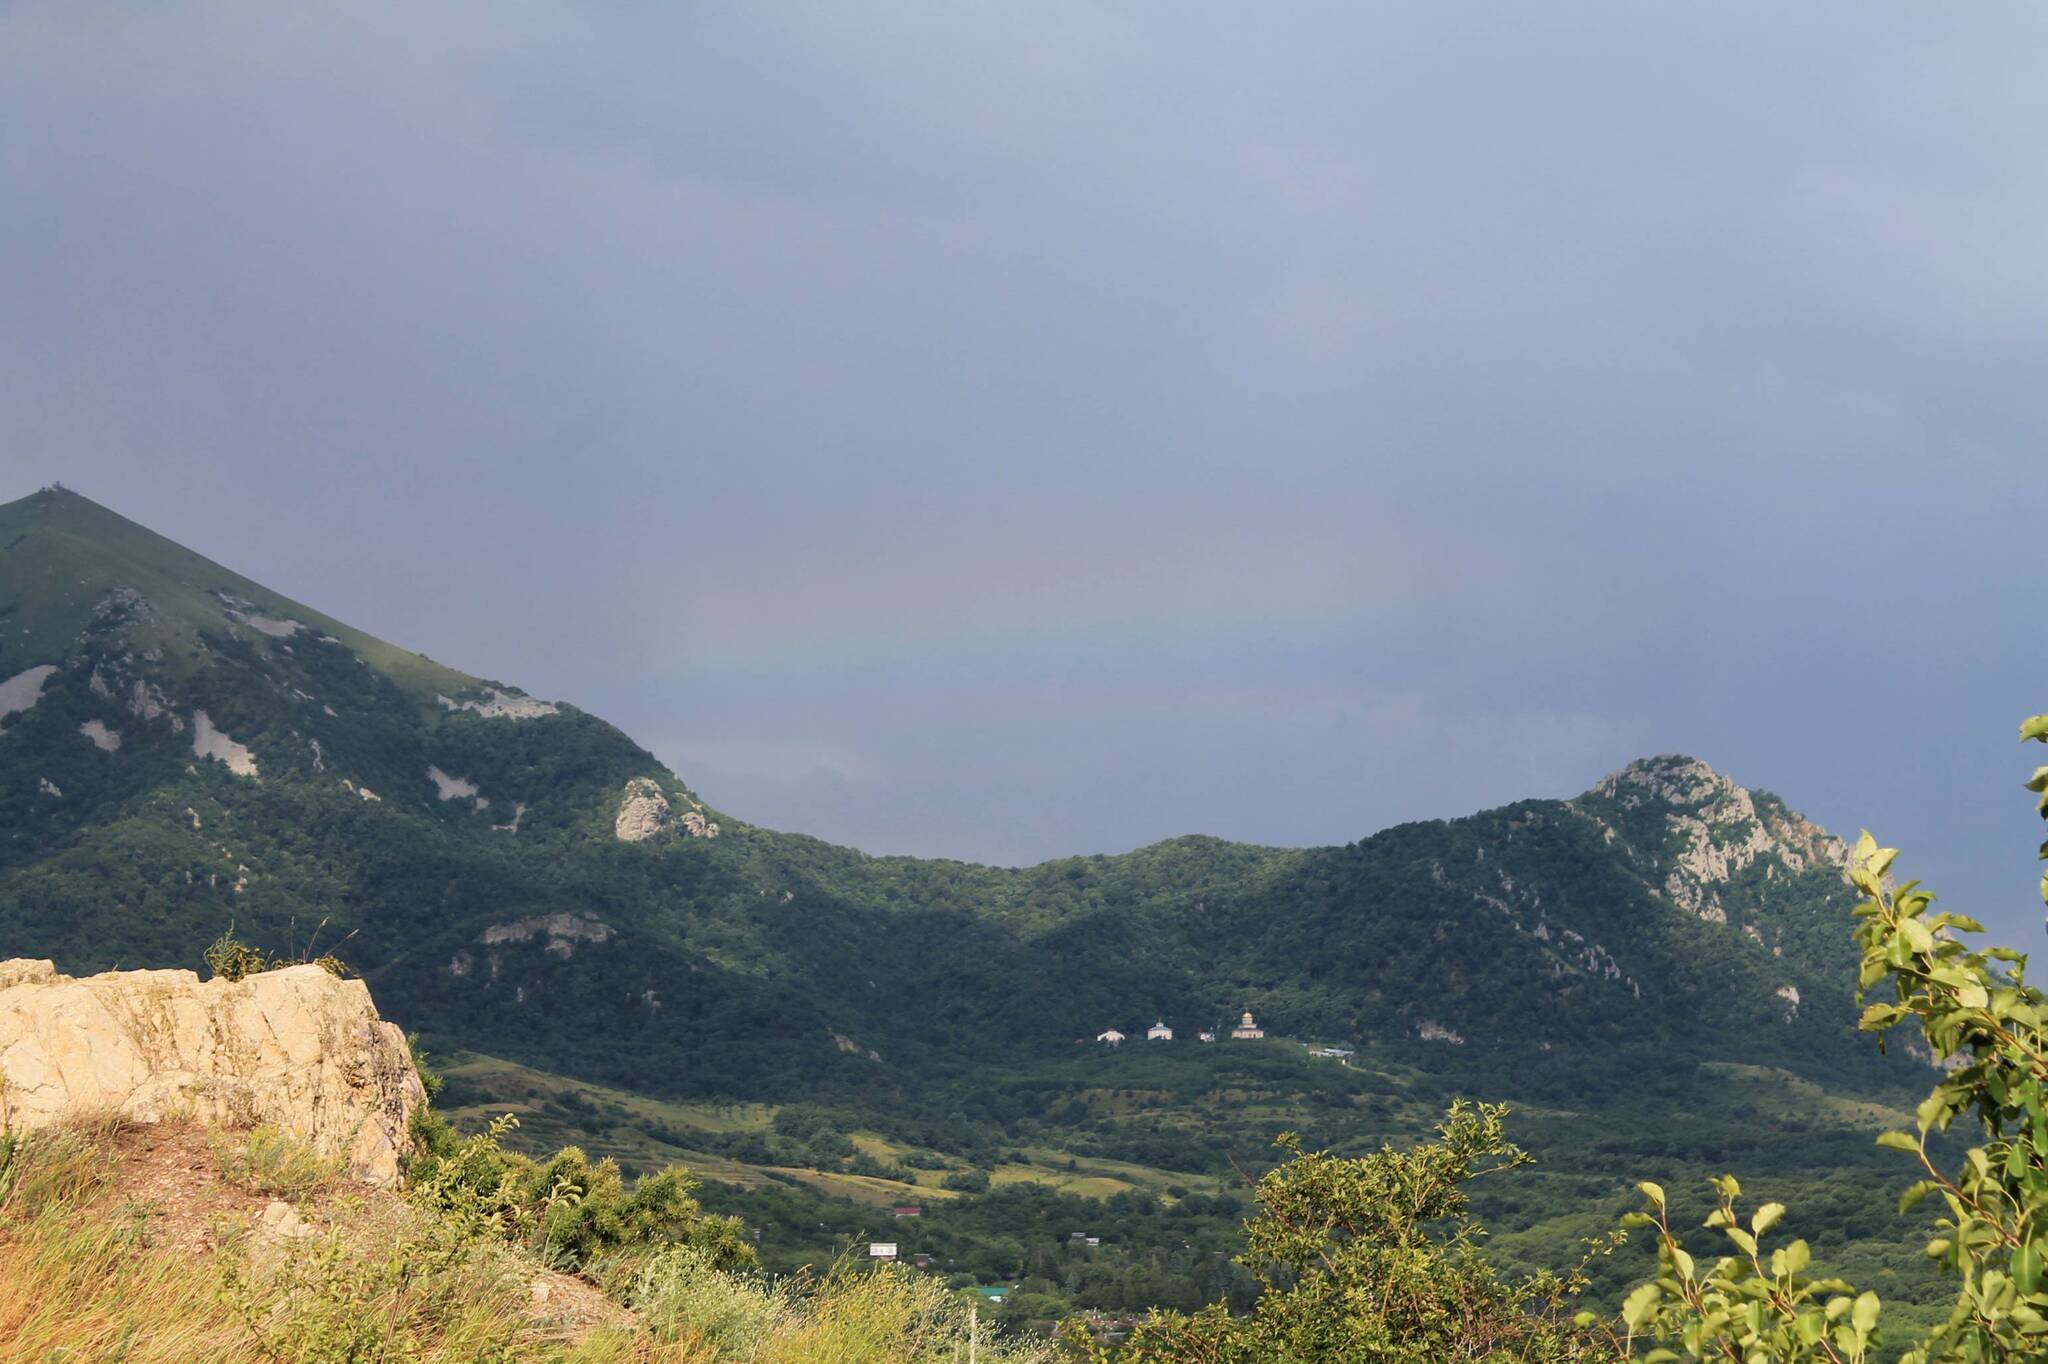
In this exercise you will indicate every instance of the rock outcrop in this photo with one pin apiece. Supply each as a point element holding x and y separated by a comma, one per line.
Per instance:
<point>296,1047</point>
<point>643,811</point>
<point>1721,829</point>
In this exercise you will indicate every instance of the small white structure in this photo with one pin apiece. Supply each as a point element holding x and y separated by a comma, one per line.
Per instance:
<point>881,1250</point>
<point>1205,1037</point>
<point>1112,1038</point>
<point>1159,1032</point>
<point>1246,1028</point>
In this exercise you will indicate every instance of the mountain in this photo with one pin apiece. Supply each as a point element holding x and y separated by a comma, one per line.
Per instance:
<point>1658,971</point>
<point>184,749</point>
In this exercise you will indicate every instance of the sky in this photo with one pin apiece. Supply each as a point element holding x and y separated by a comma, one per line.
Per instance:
<point>1004,432</point>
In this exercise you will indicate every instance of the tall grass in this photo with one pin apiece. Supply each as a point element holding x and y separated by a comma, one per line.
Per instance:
<point>268,1160</point>
<point>392,1282</point>
<point>851,1316</point>
<point>76,1281</point>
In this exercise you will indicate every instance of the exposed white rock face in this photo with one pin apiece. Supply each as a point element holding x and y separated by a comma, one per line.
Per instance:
<point>23,690</point>
<point>696,826</point>
<point>502,705</point>
<point>847,1044</point>
<point>518,813</point>
<point>208,742</point>
<point>563,932</point>
<point>1722,829</point>
<point>47,787</point>
<point>1437,1032</point>
<point>643,811</point>
<point>104,739</point>
<point>295,1047</point>
<point>269,625</point>
<point>1790,994</point>
<point>455,788</point>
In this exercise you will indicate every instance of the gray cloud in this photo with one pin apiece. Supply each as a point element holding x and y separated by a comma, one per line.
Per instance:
<point>1008,433</point>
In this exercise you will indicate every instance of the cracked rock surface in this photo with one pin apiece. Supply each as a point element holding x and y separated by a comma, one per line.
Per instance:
<point>295,1047</point>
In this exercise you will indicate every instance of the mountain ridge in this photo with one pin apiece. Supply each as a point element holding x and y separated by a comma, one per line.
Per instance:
<point>220,752</point>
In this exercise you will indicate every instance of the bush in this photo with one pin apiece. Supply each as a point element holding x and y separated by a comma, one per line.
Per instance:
<point>567,1208</point>
<point>232,959</point>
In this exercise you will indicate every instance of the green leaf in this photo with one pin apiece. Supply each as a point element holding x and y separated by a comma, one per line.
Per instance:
<point>2034,727</point>
<point>1864,1314</point>
<point>1766,1217</point>
<point>2026,1268</point>
<point>1653,1192</point>
<point>1797,1256</point>
<point>1912,1197</point>
<point>1898,1141</point>
<point>1636,1308</point>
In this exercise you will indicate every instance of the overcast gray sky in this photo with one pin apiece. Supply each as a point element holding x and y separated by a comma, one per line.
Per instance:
<point>1008,431</point>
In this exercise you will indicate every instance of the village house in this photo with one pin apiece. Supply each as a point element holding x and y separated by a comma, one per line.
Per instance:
<point>1159,1032</point>
<point>1112,1038</point>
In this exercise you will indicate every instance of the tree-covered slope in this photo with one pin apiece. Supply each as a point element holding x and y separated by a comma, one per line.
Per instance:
<point>184,749</point>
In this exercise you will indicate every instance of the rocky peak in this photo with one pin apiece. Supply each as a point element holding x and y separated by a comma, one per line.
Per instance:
<point>1718,829</point>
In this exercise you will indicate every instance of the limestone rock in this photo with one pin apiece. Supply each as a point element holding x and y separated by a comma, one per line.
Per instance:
<point>643,812</point>
<point>282,1220</point>
<point>295,1047</point>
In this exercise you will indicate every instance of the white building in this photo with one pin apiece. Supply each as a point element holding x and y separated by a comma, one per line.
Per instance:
<point>1112,1037</point>
<point>1159,1032</point>
<point>1205,1037</point>
<point>881,1250</point>
<point>1247,1028</point>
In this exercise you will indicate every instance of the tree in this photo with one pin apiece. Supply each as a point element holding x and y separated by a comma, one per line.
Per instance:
<point>1377,1259</point>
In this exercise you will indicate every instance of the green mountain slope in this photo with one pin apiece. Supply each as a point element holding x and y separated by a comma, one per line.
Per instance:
<point>204,751</point>
<point>181,750</point>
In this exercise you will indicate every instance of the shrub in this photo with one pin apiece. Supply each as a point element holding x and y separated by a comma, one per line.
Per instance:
<point>1375,1258</point>
<point>568,1208</point>
<point>232,959</point>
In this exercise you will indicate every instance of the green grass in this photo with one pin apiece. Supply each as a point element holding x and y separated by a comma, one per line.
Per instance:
<point>61,555</point>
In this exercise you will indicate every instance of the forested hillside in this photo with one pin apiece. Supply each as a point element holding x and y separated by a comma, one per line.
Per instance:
<point>182,750</point>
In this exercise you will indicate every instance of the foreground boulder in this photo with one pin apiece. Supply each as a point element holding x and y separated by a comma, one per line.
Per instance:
<point>296,1047</point>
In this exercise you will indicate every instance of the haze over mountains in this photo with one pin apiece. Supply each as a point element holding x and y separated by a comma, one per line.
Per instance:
<point>185,749</point>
